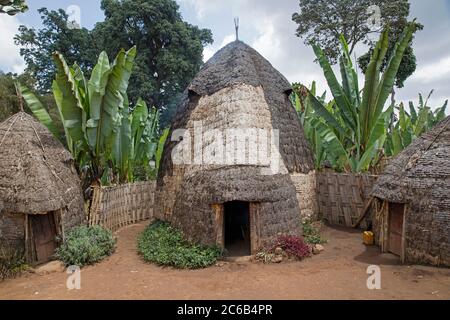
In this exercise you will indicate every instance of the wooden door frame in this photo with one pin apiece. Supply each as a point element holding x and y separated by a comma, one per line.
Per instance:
<point>30,246</point>
<point>403,238</point>
<point>254,224</point>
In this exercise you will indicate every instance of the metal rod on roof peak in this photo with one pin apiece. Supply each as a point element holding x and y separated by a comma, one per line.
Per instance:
<point>236,26</point>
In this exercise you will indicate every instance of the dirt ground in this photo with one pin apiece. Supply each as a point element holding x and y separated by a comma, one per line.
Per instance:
<point>337,273</point>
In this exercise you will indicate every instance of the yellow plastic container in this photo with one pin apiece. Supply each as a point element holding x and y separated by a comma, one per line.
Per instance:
<point>368,238</point>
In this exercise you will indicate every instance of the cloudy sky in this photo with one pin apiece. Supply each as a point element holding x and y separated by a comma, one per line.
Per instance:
<point>267,26</point>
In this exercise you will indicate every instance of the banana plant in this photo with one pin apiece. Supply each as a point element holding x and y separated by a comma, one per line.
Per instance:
<point>354,131</point>
<point>105,138</point>
<point>412,124</point>
<point>307,116</point>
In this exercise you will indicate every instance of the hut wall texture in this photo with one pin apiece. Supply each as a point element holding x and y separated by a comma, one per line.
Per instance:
<point>119,206</point>
<point>188,195</point>
<point>12,229</point>
<point>343,197</point>
<point>306,189</point>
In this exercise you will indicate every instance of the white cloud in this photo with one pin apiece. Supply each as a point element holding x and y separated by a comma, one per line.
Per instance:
<point>10,60</point>
<point>202,7</point>
<point>267,26</point>
<point>268,42</point>
<point>433,71</point>
<point>210,50</point>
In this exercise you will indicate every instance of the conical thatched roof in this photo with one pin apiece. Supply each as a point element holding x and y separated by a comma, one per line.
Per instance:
<point>422,167</point>
<point>36,172</point>
<point>239,64</point>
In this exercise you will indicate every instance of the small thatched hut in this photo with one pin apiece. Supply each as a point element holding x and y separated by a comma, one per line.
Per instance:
<point>236,169</point>
<point>40,192</point>
<point>413,218</point>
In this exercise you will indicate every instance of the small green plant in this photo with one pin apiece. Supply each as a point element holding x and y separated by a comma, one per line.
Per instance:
<point>86,245</point>
<point>311,234</point>
<point>12,261</point>
<point>164,245</point>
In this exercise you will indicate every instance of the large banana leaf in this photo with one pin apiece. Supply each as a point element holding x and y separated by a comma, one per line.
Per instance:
<point>70,105</point>
<point>368,102</point>
<point>107,91</point>
<point>349,75</point>
<point>138,124</point>
<point>325,114</point>
<point>160,149</point>
<point>348,113</point>
<point>337,154</point>
<point>384,89</point>
<point>38,109</point>
<point>122,147</point>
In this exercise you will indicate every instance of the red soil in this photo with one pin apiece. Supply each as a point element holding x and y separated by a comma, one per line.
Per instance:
<point>337,273</point>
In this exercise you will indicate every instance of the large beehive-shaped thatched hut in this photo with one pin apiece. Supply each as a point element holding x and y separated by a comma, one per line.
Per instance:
<point>40,192</point>
<point>238,170</point>
<point>413,220</point>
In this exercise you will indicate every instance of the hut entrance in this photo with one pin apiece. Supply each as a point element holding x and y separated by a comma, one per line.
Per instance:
<point>396,212</point>
<point>43,231</point>
<point>237,228</point>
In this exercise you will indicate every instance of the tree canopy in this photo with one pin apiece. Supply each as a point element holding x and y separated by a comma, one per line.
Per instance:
<point>322,22</point>
<point>37,46</point>
<point>169,49</point>
<point>13,7</point>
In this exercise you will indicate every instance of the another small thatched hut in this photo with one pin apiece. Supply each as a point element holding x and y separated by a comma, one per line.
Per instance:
<point>238,170</point>
<point>40,192</point>
<point>413,218</point>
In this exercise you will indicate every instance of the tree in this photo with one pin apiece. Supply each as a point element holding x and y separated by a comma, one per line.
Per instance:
<point>13,7</point>
<point>37,46</point>
<point>169,49</point>
<point>9,102</point>
<point>323,21</point>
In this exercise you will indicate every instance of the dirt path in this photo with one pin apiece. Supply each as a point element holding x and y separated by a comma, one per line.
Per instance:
<point>338,273</point>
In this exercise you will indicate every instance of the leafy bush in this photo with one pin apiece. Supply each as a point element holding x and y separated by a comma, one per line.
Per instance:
<point>86,245</point>
<point>12,261</point>
<point>311,233</point>
<point>164,245</point>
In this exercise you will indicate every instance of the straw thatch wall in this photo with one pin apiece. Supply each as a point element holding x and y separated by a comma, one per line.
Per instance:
<point>118,206</point>
<point>343,197</point>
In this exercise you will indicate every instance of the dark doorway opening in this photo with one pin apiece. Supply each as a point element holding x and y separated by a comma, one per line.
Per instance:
<point>396,212</point>
<point>237,228</point>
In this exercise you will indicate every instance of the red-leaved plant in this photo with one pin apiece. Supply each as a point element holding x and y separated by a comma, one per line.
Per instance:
<point>294,245</point>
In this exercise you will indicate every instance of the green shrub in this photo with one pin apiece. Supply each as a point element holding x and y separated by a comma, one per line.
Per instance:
<point>12,261</point>
<point>311,234</point>
<point>86,245</point>
<point>164,245</point>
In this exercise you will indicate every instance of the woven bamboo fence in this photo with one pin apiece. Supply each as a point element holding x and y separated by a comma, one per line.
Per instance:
<point>118,206</point>
<point>343,197</point>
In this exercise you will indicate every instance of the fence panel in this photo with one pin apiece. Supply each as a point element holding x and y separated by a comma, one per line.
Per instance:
<point>119,206</point>
<point>343,197</point>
